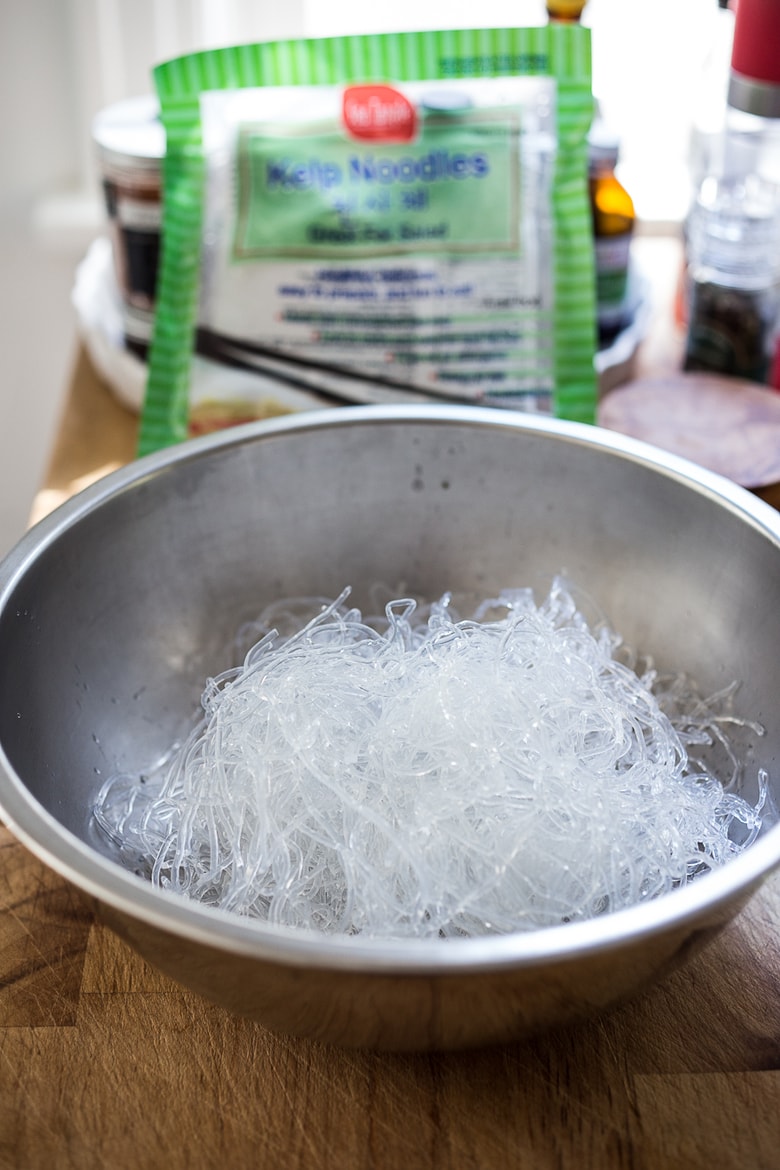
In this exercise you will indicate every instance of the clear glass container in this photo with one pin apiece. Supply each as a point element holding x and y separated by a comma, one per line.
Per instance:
<point>734,256</point>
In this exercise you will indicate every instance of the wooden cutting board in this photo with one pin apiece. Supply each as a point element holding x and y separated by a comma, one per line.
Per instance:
<point>106,1064</point>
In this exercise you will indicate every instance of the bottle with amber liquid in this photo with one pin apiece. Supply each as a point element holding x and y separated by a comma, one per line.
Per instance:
<point>565,11</point>
<point>614,220</point>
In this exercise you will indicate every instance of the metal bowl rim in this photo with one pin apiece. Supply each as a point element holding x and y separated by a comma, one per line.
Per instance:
<point>107,882</point>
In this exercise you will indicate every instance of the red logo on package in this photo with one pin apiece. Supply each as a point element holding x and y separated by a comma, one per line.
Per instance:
<point>378,113</point>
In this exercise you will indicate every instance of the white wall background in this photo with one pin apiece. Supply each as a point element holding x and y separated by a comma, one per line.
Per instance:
<point>63,60</point>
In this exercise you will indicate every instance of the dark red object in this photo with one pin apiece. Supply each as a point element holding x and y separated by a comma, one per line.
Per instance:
<point>774,371</point>
<point>756,51</point>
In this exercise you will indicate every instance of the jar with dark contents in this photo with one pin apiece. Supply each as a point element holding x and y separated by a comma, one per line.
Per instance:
<point>734,249</point>
<point>130,142</point>
<point>728,330</point>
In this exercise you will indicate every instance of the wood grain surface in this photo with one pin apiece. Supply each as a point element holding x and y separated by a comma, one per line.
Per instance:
<point>105,1063</point>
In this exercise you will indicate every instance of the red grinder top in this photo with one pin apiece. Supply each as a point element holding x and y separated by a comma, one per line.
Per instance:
<point>755,58</point>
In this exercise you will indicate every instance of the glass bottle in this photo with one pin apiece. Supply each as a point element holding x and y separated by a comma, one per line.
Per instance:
<point>565,11</point>
<point>614,220</point>
<point>734,256</point>
<point>733,229</point>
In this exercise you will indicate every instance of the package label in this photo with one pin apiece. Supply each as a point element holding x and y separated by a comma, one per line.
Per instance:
<point>316,194</point>
<point>400,217</point>
<point>406,234</point>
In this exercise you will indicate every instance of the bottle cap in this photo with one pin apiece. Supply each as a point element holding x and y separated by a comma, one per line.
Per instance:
<point>754,84</point>
<point>603,144</point>
<point>130,135</point>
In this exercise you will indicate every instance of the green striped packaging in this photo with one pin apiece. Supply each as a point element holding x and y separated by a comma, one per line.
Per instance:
<point>560,52</point>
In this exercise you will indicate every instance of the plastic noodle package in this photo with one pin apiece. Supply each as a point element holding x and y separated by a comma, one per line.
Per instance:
<point>426,776</point>
<point>391,218</point>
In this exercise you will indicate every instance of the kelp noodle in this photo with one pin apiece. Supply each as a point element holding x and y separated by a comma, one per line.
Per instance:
<point>430,776</point>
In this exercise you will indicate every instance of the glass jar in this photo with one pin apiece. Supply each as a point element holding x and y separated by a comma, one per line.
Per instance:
<point>733,249</point>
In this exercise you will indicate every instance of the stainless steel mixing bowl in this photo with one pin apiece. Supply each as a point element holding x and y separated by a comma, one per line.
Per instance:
<point>115,609</point>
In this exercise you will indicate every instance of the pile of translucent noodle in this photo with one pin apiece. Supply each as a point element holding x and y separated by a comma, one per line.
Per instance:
<point>426,776</point>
